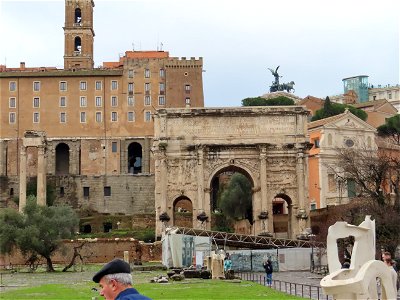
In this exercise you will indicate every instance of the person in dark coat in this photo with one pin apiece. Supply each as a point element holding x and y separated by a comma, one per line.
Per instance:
<point>115,281</point>
<point>268,271</point>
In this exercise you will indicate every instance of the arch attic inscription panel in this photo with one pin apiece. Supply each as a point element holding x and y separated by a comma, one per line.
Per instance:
<point>267,144</point>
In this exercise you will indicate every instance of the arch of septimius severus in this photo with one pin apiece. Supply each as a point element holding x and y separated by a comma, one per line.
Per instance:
<point>269,145</point>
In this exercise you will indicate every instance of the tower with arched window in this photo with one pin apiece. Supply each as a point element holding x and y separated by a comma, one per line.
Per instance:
<point>78,34</point>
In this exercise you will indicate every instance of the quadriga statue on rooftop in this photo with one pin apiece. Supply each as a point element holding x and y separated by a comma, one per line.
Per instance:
<point>276,86</point>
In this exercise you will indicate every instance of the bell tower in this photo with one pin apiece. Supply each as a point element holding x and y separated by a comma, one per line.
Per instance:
<point>78,34</point>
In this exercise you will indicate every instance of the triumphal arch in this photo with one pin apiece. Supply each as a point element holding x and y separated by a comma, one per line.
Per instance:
<point>269,145</point>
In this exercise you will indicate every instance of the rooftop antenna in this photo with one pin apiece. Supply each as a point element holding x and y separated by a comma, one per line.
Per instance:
<point>161,45</point>
<point>133,46</point>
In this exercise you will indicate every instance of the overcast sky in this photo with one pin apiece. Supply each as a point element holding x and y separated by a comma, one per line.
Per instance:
<point>316,43</point>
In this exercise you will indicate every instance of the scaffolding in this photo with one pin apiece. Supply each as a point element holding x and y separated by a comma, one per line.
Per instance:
<point>248,241</point>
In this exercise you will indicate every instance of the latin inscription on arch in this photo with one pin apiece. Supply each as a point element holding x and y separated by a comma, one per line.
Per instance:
<point>242,126</point>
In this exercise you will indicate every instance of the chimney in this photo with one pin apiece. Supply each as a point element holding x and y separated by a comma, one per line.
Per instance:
<point>22,65</point>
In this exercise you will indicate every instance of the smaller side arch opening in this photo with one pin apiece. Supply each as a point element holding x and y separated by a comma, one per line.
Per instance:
<point>282,212</point>
<point>183,212</point>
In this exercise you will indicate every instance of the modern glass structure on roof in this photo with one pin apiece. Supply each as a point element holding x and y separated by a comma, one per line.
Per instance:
<point>358,84</point>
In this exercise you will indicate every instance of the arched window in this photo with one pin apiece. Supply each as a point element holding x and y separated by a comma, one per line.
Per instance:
<point>78,15</point>
<point>78,44</point>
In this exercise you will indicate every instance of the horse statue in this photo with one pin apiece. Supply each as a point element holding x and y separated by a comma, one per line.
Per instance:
<point>287,86</point>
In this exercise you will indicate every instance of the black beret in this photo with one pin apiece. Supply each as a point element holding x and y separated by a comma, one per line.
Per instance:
<point>113,267</point>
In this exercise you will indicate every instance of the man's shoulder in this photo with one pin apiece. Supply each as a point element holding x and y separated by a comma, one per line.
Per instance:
<point>131,294</point>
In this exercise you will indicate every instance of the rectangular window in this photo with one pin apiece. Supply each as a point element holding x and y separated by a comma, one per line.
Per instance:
<point>63,101</point>
<point>131,101</point>
<point>313,206</point>
<point>147,116</point>
<point>316,143</point>
<point>114,147</point>
<point>147,87</point>
<point>98,117</point>
<point>130,87</point>
<point>187,88</point>
<point>114,85</point>
<point>63,117</point>
<point>162,73</point>
<point>83,117</point>
<point>107,191</point>
<point>162,87</point>
<point>98,101</point>
<point>187,101</point>
<point>114,116</point>
<point>351,188</point>
<point>161,100</point>
<point>62,191</point>
<point>131,116</point>
<point>63,86</point>
<point>12,102</point>
<point>130,73</point>
<point>147,100</point>
<point>146,73</point>
<point>13,86</point>
<point>36,102</point>
<point>12,117</point>
<point>83,102</point>
<point>114,101</point>
<point>36,86</point>
<point>98,85</point>
<point>83,86</point>
<point>36,117</point>
<point>86,191</point>
<point>390,96</point>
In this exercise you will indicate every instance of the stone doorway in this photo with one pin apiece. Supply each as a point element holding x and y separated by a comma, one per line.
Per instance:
<point>135,155</point>
<point>62,159</point>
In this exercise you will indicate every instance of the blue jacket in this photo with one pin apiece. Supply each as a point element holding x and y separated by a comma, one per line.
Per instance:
<point>131,294</point>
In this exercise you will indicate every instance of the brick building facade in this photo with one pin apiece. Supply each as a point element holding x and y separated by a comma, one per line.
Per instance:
<point>98,122</point>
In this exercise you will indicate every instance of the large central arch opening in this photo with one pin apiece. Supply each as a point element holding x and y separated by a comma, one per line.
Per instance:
<point>231,200</point>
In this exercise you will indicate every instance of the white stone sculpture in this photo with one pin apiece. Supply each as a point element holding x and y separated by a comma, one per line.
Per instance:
<point>217,266</point>
<point>360,280</point>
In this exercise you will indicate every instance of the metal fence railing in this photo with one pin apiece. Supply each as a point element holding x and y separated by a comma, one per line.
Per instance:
<point>295,289</point>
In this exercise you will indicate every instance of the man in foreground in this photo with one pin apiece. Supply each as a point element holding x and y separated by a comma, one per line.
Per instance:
<point>115,281</point>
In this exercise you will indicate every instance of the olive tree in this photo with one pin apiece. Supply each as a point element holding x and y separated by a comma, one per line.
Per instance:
<point>39,231</point>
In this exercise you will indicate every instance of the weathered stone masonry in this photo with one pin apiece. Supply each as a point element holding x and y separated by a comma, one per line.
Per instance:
<point>267,144</point>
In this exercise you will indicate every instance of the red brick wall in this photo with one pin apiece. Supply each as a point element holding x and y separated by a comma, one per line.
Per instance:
<point>98,251</point>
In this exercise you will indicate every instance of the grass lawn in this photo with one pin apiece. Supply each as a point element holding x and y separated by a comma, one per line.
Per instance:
<point>188,289</point>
